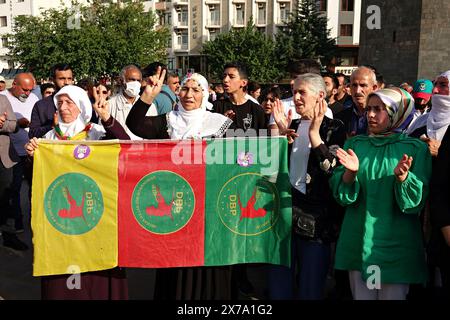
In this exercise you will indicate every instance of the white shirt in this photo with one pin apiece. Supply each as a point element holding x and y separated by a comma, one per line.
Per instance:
<point>301,149</point>
<point>21,110</point>
<point>249,97</point>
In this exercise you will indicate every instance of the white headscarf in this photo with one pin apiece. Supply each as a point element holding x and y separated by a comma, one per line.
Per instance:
<point>439,116</point>
<point>198,123</point>
<point>81,100</point>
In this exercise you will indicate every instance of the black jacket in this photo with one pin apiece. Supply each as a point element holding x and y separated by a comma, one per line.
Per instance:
<point>318,199</point>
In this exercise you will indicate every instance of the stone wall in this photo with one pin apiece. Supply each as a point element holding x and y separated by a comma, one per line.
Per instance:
<point>394,48</point>
<point>434,56</point>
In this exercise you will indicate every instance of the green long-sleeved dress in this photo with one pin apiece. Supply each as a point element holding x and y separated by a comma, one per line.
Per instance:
<point>381,225</point>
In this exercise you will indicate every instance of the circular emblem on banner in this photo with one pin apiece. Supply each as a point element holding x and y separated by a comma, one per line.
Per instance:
<point>163,202</point>
<point>248,204</point>
<point>81,152</point>
<point>73,203</point>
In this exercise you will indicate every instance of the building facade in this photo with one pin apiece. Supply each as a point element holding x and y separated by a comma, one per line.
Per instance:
<point>412,41</point>
<point>193,22</point>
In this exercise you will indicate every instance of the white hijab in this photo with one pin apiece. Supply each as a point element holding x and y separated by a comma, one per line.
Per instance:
<point>439,116</point>
<point>198,123</point>
<point>81,100</point>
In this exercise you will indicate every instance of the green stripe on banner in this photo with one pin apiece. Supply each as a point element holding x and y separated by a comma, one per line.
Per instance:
<point>248,202</point>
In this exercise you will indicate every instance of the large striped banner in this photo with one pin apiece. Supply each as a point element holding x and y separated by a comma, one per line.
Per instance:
<point>158,204</point>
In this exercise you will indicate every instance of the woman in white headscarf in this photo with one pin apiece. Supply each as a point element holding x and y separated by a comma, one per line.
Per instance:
<point>191,120</point>
<point>74,111</point>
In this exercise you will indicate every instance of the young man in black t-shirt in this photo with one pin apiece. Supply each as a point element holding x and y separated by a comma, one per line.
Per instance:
<point>244,113</point>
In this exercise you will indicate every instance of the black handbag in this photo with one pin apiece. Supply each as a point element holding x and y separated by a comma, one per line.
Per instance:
<point>306,223</point>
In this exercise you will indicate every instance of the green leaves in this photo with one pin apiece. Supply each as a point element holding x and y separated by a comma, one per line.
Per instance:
<point>246,45</point>
<point>305,35</point>
<point>94,40</point>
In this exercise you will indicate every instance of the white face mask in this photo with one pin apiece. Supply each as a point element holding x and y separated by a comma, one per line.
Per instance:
<point>22,97</point>
<point>132,89</point>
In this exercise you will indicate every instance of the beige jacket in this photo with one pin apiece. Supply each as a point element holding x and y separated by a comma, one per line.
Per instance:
<point>8,155</point>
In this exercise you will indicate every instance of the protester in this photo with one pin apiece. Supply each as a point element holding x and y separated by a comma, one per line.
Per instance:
<point>74,112</point>
<point>383,181</point>
<point>190,121</point>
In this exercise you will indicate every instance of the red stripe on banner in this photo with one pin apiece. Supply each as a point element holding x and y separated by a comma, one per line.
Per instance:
<point>161,204</point>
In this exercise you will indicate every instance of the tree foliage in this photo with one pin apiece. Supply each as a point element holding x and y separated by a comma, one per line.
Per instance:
<point>305,35</point>
<point>95,40</point>
<point>248,46</point>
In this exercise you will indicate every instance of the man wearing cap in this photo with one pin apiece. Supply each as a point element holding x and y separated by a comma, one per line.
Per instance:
<point>2,84</point>
<point>422,92</point>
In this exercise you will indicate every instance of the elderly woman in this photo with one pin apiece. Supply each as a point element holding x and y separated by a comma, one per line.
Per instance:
<point>191,120</point>
<point>383,181</point>
<point>315,213</point>
<point>73,113</point>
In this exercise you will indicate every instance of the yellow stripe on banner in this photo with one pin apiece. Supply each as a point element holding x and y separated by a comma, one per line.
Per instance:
<point>74,207</point>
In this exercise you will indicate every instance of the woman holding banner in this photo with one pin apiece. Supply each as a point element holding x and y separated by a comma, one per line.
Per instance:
<point>191,120</point>
<point>74,111</point>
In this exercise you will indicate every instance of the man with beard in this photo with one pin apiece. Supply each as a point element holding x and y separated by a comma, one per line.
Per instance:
<point>423,89</point>
<point>42,116</point>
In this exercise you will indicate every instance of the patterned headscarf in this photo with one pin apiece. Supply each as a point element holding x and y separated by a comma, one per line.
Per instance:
<point>400,108</point>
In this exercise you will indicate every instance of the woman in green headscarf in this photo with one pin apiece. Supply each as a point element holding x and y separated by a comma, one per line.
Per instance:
<point>383,182</point>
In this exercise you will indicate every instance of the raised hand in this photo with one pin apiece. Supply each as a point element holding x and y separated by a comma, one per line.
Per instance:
<point>433,145</point>
<point>230,114</point>
<point>402,168</point>
<point>319,112</point>
<point>348,159</point>
<point>101,105</point>
<point>154,86</point>
<point>3,119</point>
<point>55,119</point>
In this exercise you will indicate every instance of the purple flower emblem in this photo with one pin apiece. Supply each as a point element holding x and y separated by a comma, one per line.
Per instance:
<point>245,159</point>
<point>81,152</point>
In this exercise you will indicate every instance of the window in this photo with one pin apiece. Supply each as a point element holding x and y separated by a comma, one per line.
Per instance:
<point>4,42</point>
<point>214,15</point>
<point>182,40</point>
<point>2,1</point>
<point>240,14</point>
<point>212,34</point>
<point>261,13</point>
<point>346,30</point>
<point>3,21</point>
<point>347,5</point>
<point>183,18</point>
<point>322,5</point>
<point>284,11</point>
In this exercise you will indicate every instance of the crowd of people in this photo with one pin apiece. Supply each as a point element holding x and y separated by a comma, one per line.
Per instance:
<point>368,167</point>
